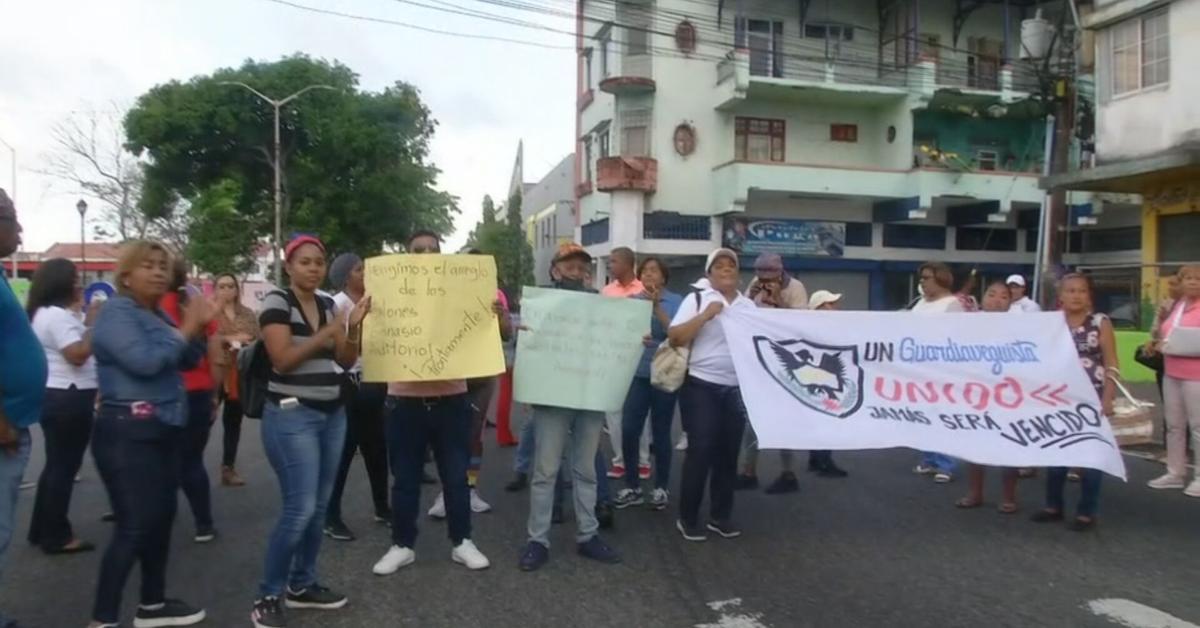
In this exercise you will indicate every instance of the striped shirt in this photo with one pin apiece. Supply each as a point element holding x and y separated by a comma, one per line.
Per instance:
<point>316,382</point>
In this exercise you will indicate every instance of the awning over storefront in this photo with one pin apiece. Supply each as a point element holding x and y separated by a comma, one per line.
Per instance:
<point>1133,176</point>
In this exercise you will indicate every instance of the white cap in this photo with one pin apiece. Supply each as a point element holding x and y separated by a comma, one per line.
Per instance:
<point>1015,279</point>
<point>821,297</point>
<point>722,252</point>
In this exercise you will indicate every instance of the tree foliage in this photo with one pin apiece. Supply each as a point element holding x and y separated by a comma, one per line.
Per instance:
<point>506,242</point>
<point>222,239</point>
<point>355,163</point>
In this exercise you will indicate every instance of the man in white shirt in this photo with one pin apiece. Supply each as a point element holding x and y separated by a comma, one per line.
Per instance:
<point>1020,301</point>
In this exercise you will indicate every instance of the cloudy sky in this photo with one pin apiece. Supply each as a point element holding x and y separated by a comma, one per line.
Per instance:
<point>60,58</point>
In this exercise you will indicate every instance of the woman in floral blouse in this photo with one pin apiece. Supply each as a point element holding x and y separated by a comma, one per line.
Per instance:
<point>1097,347</point>
<point>237,327</point>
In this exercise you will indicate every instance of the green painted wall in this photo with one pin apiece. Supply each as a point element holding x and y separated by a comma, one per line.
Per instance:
<point>1019,142</point>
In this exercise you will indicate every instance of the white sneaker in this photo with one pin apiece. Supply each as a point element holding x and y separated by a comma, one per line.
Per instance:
<point>1193,489</point>
<point>1166,481</point>
<point>477,503</point>
<point>659,499</point>
<point>468,555</point>
<point>682,444</point>
<point>438,511</point>
<point>393,560</point>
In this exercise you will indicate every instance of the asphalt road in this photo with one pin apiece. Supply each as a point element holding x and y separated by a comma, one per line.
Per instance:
<point>880,548</point>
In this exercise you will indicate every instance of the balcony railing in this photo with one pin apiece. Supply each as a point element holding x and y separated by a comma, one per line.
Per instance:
<point>627,173</point>
<point>672,226</point>
<point>633,73</point>
<point>595,232</point>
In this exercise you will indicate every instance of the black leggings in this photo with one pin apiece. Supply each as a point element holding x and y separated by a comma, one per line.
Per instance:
<point>231,418</point>
<point>364,432</point>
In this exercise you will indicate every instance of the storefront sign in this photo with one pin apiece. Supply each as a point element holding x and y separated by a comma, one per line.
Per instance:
<point>784,236</point>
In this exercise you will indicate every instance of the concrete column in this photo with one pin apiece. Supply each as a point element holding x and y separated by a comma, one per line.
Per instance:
<point>625,221</point>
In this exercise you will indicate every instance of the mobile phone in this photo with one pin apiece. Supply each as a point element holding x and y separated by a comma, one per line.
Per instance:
<point>289,404</point>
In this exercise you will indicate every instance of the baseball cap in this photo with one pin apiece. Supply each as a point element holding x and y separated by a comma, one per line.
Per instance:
<point>722,252</point>
<point>568,250</point>
<point>821,297</point>
<point>1015,279</point>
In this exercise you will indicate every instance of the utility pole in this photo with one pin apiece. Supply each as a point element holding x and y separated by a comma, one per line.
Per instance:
<point>1055,224</point>
<point>278,105</point>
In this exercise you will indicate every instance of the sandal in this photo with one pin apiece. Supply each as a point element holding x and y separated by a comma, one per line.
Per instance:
<point>1007,508</point>
<point>968,502</point>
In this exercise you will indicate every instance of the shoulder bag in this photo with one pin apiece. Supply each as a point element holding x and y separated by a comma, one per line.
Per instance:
<point>669,367</point>
<point>1132,420</point>
<point>1182,342</point>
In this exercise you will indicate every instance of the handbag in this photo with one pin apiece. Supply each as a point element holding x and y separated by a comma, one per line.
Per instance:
<point>1132,420</point>
<point>1182,342</point>
<point>1152,360</point>
<point>669,367</point>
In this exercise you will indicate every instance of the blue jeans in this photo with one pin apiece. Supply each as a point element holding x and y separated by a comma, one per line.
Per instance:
<point>304,446</point>
<point>193,477</point>
<point>1089,496</point>
<point>643,398</point>
<point>414,425</point>
<point>941,462</point>
<point>523,460</point>
<point>12,469</point>
<point>559,431</point>
<point>138,461</point>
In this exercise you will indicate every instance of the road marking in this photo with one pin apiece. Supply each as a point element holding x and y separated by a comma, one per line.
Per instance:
<point>733,619</point>
<point>1133,615</point>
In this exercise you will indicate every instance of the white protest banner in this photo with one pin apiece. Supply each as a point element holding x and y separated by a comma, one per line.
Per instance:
<point>579,350</point>
<point>994,389</point>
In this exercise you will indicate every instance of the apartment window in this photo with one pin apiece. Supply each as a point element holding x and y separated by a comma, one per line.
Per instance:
<point>765,41</point>
<point>637,40</point>
<point>836,32</point>
<point>604,46</point>
<point>759,139</point>
<point>1141,54</point>
<point>987,159</point>
<point>602,141</point>
<point>843,133</point>
<point>587,70</point>
<point>635,133</point>
<point>587,160</point>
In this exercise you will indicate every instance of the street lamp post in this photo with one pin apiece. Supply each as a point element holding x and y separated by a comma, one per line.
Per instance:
<point>81,207</point>
<point>278,105</point>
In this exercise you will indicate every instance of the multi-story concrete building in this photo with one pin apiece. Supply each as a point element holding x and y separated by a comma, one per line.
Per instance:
<point>857,138</point>
<point>547,209</point>
<point>1147,132</point>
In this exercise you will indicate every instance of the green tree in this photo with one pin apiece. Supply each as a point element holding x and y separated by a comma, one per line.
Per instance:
<point>222,238</point>
<point>506,242</point>
<point>355,163</point>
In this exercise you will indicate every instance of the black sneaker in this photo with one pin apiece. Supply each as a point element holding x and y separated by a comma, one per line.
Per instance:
<point>268,613</point>
<point>627,497</point>
<point>785,483</point>
<point>534,556</point>
<point>338,531</point>
<point>726,529</point>
<point>596,549</point>
<point>518,484</point>
<point>205,534</point>
<point>832,471</point>
<point>315,597</point>
<point>695,534</point>
<point>168,613</point>
<point>604,516</point>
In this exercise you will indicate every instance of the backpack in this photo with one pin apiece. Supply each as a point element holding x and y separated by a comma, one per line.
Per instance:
<point>254,372</point>
<point>669,367</point>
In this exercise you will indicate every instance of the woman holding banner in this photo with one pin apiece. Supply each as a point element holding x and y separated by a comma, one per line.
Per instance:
<point>710,401</point>
<point>936,282</point>
<point>996,298</point>
<point>1097,347</point>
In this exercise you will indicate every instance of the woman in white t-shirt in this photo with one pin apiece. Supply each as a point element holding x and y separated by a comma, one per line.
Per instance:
<point>54,299</point>
<point>710,402</point>
<point>937,297</point>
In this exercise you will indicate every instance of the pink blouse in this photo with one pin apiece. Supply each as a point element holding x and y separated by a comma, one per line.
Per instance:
<point>1179,367</point>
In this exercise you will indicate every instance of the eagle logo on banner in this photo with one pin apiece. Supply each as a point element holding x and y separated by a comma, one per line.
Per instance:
<point>824,378</point>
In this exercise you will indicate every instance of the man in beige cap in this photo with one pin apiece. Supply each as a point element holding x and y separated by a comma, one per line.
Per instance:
<point>820,461</point>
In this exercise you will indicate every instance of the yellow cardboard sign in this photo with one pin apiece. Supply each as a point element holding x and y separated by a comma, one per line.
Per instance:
<point>431,318</point>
